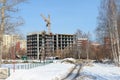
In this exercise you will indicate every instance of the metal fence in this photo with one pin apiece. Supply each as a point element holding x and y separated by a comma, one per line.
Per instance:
<point>26,65</point>
<point>29,65</point>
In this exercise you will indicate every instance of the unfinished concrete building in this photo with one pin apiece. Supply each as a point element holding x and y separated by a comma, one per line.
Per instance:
<point>49,43</point>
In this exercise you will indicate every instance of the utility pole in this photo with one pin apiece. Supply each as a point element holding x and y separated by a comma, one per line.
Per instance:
<point>2,28</point>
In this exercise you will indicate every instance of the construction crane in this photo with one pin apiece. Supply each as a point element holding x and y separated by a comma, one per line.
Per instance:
<point>47,20</point>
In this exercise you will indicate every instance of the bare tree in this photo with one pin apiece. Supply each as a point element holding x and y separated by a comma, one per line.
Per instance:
<point>78,47</point>
<point>88,45</point>
<point>11,20</point>
<point>8,20</point>
<point>108,26</point>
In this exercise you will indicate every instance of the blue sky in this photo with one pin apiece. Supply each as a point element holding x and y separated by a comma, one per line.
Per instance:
<point>66,15</point>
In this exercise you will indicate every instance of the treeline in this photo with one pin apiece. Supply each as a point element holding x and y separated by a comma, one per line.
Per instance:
<point>108,29</point>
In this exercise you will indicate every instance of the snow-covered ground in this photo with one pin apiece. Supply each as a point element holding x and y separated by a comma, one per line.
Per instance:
<point>98,71</point>
<point>58,70</point>
<point>51,71</point>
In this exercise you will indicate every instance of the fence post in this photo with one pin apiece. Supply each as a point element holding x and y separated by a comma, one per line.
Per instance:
<point>8,72</point>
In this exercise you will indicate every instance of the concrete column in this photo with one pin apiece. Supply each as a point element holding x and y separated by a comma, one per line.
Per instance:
<point>61,42</point>
<point>38,51</point>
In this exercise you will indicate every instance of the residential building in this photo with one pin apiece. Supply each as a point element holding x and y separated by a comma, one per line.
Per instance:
<point>13,44</point>
<point>82,42</point>
<point>9,40</point>
<point>23,44</point>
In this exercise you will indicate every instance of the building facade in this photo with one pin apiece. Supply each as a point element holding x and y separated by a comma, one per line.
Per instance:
<point>23,44</point>
<point>13,44</point>
<point>82,42</point>
<point>8,41</point>
<point>49,43</point>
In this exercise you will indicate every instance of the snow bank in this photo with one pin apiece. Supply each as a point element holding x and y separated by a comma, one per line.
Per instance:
<point>47,72</point>
<point>100,72</point>
<point>69,60</point>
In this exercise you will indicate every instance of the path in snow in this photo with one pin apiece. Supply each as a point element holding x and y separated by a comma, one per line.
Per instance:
<point>73,73</point>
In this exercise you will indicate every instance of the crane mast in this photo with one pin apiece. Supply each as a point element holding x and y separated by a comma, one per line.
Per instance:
<point>48,23</point>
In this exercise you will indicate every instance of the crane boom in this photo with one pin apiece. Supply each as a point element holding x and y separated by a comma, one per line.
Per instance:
<point>47,20</point>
